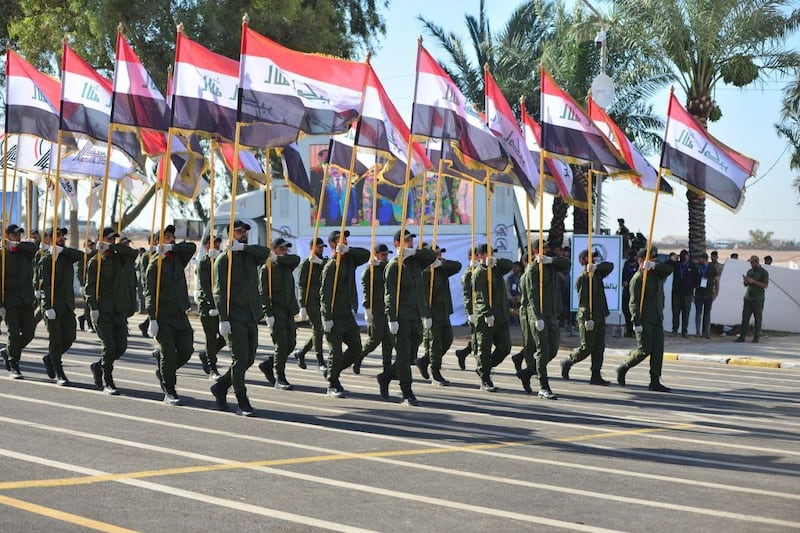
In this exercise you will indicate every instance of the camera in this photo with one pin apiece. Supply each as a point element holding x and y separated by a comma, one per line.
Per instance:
<point>600,39</point>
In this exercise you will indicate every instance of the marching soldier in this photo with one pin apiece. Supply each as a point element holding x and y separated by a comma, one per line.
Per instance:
<point>59,306</point>
<point>439,337</point>
<point>591,319</point>
<point>111,304</point>
<point>168,322</point>
<point>18,301</point>
<point>309,303</point>
<point>526,328</point>
<point>209,315</point>
<point>88,253</point>
<point>280,306</point>
<point>466,295</point>
<point>406,314</point>
<point>372,283</point>
<point>239,312</point>
<point>648,318</point>
<point>338,318</point>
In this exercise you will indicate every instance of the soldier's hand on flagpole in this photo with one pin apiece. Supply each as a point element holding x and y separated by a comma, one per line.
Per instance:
<point>436,264</point>
<point>273,257</point>
<point>95,316</point>
<point>394,327</point>
<point>50,314</point>
<point>213,312</point>
<point>327,326</point>
<point>427,323</point>
<point>12,245</point>
<point>589,324</point>
<point>342,249</point>
<point>236,246</point>
<point>163,249</point>
<point>543,259</point>
<point>591,267</point>
<point>270,321</point>
<point>472,319</point>
<point>213,253</point>
<point>152,328</point>
<point>540,325</point>
<point>638,329</point>
<point>368,317</point>
<point>225,329</point>
<point>490,261</point>
<point>649,265</point>
<point>489,320</point>
<point>303,314</point>
<point>317,260</point>
<point>376,262</point>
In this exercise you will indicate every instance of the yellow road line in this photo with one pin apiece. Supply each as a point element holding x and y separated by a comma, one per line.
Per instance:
<point>62,516</point>
<point>85,480</point>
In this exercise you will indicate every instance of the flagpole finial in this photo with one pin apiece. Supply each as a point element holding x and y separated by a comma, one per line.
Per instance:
<point>245,19</point>
<point>119,27</point>
<point>419,40</point>
<point>522,100</point>
<point>368,58</point>
<point>180,27</point>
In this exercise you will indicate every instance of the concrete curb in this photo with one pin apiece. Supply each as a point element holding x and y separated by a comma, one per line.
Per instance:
<point>721,359</point>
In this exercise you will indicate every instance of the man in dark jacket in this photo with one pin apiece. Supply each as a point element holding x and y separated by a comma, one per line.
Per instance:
<point>209,315</point>
<point>684,280</point>
<point>629,268</point>
<point>373,287</point>
<point>310,282</point>
<point>17,303</point>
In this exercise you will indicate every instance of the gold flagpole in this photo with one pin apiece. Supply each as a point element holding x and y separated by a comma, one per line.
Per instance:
<point>321,200</point>
<point>268,215</point>
<point>435,217</point>
<point>373,227</point>
<point>489,234</point>
<point>164,193</point>
<point>650,235</point>
<point>589,214</point>
<point>56,195</point>
<point>212,175</point>
<point>346,209</point>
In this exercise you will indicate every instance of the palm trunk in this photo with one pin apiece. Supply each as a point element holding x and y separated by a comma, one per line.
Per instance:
<point>557,228</point>
<point>580,216</point>
<point>699,107</point>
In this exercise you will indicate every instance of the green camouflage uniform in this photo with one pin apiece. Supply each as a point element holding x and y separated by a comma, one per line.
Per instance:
<point>61,330</point>
<point>650,342</point>
<point>309,298</point>
<point>498,335</point>
<point>373,287</point>
<point>754,302</point>
<point>592,342</point>
<point>439,337</point>
<point>281,304</point>
<point>18,299</point>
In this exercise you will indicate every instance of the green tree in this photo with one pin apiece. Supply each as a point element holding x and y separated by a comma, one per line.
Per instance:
<point>703,42</point>
<point>760,239</point>
<point>789,128</point>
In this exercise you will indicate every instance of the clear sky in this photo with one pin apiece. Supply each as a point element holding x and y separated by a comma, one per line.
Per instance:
<point>747,125</point>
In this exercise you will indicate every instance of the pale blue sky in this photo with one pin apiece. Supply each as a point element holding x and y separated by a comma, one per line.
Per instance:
<point>747,126</point>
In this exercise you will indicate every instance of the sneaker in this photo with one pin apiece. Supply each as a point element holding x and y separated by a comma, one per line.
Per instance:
<point>48,366</point>
<point>282,384</point>
<point>62,381</point>
<point>14,373</point>
<point>244,407</point>
<point>566,364</point>
<point>422,366</point>
<point>621,371</point>
<point>204,361</point>
<point>172,399</point>
<point>547,394</point>
<point>656,386</point>
<point>739,339</point>
<point>383,384</point>
<point>323,369</point>
<point>214,375</point>
<point>411,401</point>
<point>111,391</point>
<point>4,355</point>
<point>220,391</point>
<point>336,392</point>
<point>488,386</point>
<point>97,374</point>
<point>266,367</point>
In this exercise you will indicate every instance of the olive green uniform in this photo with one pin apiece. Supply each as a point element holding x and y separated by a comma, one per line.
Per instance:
<point>61,330</point>
<point>439,337</point>
<point>279,300</point>
<point>309,298</point>
<point>18,298</point>
<point>649,315</point>
<point>754,302</point>
<point>528,342</point>
<point>175,335</point>
<point>498,335</point>
<point>373,286</point>
<point>592,342</point>
<point>209,316</point>
<point>244,313</point>
<point>466,297</point>
<point>115,301</point>
<point>340,311</point>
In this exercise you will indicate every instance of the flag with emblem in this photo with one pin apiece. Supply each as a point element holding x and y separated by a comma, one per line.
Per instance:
<point>32,100</point>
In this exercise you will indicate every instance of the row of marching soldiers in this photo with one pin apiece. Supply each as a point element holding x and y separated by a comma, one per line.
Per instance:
<point>262,290</point>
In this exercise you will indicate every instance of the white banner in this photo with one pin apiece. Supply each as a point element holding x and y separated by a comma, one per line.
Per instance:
<point>610,249</point>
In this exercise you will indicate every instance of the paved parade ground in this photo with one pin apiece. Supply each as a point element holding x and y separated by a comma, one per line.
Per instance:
<point>720,453</point>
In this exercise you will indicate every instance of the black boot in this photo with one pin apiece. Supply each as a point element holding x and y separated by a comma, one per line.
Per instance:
<point>281,383</point>
<point>220,391</point>
<point>517,359</point>
<point>300,356</point>
<point>357,364</point>
<point>597,379</point>
<point>170,396</point>
<point>461,355</point>
<point>97,374</point>
<point>525,377</point>
<point>14,372</point>
<point>266,367</point>
<point>566,364</point>
<point>383,384</point>
<point>143,329</point>
<point>656,386</point>
<point>48,366</point>
<point>621,371</point>
<point>110,388</point>
<point>61,378</point>
<point>438,379</point>
<point>244,407</point>
<point>4,355</point>
<point>422,365</point>
<point>408,396</point>
<point>204,361</point>
<point>82,322</point>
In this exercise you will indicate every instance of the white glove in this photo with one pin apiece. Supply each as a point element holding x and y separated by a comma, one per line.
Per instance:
<point>489,320</point>
<point>224,329</point>
<point>543,259</point>
<point>540,325</point>
<point>303,314</point>
<point>472,319</point>
<point>44,247</point>
<point>59,249</point>
<point>490,261</point>
<point>394,327</point>
<point>649,265</point>
<point>213,253</point>
<point>637,329</point>
<point>12,244</point>
<point>342,249</point>
<point>2,312</point>
<point>94,315</point>
<point>368,316</point>
<point>376,262</point>
<point>427,323</point>
<point>213,312</point>
<point>236,246</point>
<point>589,325</point>
<point>273,258</point>
<point>436,264</point>
<point>153,249</point>
<point>474,263</point>
<point>197,295</point>
<point>317,260</point>
<point>164,248</point>
<point>103,246</point>
<point>37,294</point>
<point>591,267</point>
<point>152,328</point>
<point>50,314</point>
<point>408,252</point>
<point>327,326</point>
<point>270,321</point>
<point>81,292</point>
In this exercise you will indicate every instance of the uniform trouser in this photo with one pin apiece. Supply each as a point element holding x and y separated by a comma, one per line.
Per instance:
<point>650,342</point>
<point>21,326</point>
<point>244,343</point>
<point>317,332</point>
<point>547,342</point>
<point>344,331</point>
<point>626,311</point>
<point>592,343</point>
<point>284,337</point>
<point>702,314</point>
<point>438,340</point>
<point>681,307</point>
<point>175,340</point>
<point>379,334</point>
<point>752,307</point>
<point>61,331</point>
<point>497,336</point>
<point>211,331</point>
<point>528,342</point>
<point>112,328</point>
<point>406,344</point>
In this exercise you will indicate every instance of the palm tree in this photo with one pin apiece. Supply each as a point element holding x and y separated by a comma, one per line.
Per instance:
<point>789,127</point>
<point>704,41</point>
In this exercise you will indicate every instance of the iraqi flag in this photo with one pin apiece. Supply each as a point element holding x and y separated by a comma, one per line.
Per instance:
<point>701,162</point>
<point>186,168</point>
<point>32,100</point>
<point>90,160</point>
<point>295,91</point>
<point>137,100</point>
<point>441,111</point>
<point>248,164</point>
<point>568,131</point>
<point>86,102</point>
<point>646,176</point>
<point>294,171</point>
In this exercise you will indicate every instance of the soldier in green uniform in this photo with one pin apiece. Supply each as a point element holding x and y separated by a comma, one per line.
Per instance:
<point>591,317</point>
<point>209,315</point>
<point>528,345</point>
<point>756,282</point>
<point>466,295</point>
<point>491,314</point>
<point>338,320</point>
<point>17,304</point>
<point>279,301</point>
<point>648,318</point>
<point>373,284</point>
<point>168,321</point>
<point>406,314</point>
<point>439,336</point>
<point>309,303</point>
<point>239,312</point>
<point>85,318</point>
<point>111,304</point>
<point>544,311</point>
<point>59,305</point>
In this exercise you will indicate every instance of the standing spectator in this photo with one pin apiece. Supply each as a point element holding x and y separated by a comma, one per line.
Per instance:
<point>141,279</point>
<point>756,282</point>
<point>513,290</point>
<point>704,294</point>
<point>684,281</point>
<point>625,233</point>
<point>767,260</point>
<point>734,255</point>
<point>628,270</point>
